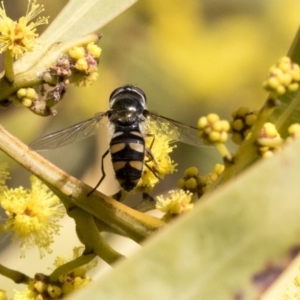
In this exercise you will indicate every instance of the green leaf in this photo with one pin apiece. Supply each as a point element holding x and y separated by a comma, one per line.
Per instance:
<point>93,14</point>
<point>213,252</point>
<point>77,19</point>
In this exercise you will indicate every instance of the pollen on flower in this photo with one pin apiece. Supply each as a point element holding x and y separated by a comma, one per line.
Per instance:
<point>32,215</point>
<point>177,203</point>
<point>161,164</point>
<point>20,36</point>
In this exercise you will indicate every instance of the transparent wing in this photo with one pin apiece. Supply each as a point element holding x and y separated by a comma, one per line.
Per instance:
<point>176,130</point>
<point>68,135</point>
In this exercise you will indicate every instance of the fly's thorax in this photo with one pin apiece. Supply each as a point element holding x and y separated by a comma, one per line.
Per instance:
<point>127,105</point>
<point>126,112</point>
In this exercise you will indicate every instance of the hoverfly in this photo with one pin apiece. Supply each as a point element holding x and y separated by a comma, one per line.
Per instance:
<point>127,116</point>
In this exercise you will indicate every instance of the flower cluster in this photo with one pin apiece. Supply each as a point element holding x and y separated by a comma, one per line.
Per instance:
<point>284,76</point>
<point>79,66</point>
<point>27,96</point>
<point>243,120</point>
<point>177,203</point>
<point>269,140</point>
<point>42,288</point>
<point>213,130</point>
<point>85,59</point>
<point>197,184</point>
<point>76,278</point>
<point>61,68</point>
<point>20,36</point>
<point>160,164</point>
<point>32,215</point>
<point>213,176</point>
<point>190,180</point>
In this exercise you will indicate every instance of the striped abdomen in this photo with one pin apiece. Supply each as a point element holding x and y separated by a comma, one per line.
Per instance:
<point>127,149</point>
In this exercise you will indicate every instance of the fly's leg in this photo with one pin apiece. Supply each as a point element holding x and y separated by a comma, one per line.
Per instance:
<point>103,173</point>
<point>153,139</point>
<point>151,157</point>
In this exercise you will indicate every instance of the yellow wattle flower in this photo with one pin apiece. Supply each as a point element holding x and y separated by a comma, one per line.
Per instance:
<point>177,202</point>
<point>32,215</point>
<point>20,36</point>
<point>159,145</point>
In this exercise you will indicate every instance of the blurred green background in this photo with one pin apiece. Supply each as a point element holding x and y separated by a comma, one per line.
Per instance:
<point>191,58</point>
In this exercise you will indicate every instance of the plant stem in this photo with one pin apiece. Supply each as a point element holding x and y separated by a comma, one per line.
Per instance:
<point>8,66</point>
<point>16,276</point>
<point>71,265</point>
<point>224,151</point>
<point>136,225</point>
<point>88,234</point>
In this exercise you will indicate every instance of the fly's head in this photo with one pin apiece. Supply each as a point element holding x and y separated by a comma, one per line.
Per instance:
<point>127,105</point>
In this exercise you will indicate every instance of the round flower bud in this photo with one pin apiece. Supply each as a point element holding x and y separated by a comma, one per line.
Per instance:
<point>77,52</point>
<point>81,64</point>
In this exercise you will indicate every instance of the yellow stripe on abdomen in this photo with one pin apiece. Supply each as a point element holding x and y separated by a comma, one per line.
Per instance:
<point>117,147</point>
